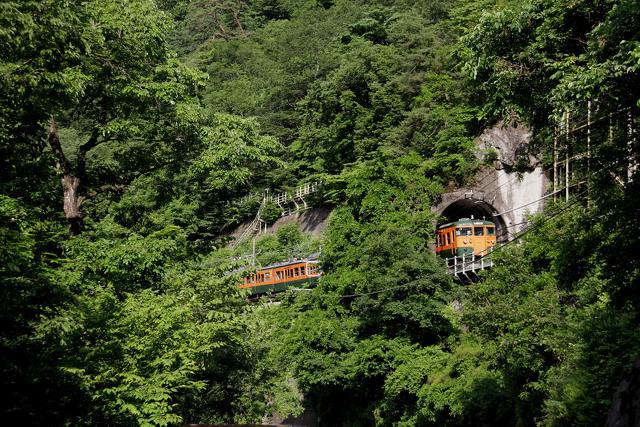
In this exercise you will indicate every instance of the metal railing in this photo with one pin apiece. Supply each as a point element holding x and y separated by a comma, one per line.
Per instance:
<point>297,197</point>
<point>284,201</point>
<point>253,227</point>
<point>469,265</point>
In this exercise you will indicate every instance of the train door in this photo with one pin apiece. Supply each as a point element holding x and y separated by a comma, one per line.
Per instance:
<point>479,240</point>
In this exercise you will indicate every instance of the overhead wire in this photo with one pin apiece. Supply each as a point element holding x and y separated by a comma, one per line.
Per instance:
<point>408,285</point>
<point>576,198</point>
<point>576,128</point>
<point>614,163</point>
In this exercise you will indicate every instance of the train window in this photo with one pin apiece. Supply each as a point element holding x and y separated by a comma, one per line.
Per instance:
<point>478,231</point>
<point>446,239</point>
<point>491,231</point>
<point>464,231</point>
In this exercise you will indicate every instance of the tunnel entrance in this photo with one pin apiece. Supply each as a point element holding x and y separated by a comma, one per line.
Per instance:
<point>478,209</point>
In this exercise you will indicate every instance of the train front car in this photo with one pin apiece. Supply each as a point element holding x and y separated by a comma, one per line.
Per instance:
<point>465,237</point>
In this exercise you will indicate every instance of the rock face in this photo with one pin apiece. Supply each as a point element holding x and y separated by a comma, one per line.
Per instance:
<point>625,410</point>
<point>499,193</point>
<point>511,144</point>
<point>312,221</point>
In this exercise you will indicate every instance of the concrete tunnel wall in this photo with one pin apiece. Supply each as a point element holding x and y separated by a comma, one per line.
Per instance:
<point>499,196</point>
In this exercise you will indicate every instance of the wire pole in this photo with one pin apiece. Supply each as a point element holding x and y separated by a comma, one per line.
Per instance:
<point>588,153</point>
<point>566,156</point>
<point>629,151</point>
<point>253,252</point>
<point>555,162</point>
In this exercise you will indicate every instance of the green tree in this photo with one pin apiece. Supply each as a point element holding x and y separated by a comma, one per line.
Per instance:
<point>101,72</point>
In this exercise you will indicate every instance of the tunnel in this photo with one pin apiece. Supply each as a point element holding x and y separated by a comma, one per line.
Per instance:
<point>475,208</point>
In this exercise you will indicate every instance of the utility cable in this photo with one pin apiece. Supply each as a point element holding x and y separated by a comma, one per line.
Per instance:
<point>528,229</point>
<point>517,237</point>
<point>536,224</point>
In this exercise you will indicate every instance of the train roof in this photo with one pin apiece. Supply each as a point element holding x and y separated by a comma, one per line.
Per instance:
<point>310,258</point>
<point>466,221</point>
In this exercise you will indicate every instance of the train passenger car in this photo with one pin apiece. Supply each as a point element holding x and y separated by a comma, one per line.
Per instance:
<point>282,276</point>
<point>465,237</point>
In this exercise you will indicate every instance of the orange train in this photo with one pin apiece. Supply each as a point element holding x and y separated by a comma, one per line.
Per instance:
<point>465,237</point>
<point>282,276</point>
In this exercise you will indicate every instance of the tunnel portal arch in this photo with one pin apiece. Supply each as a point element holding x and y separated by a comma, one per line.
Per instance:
<point>474,208</point>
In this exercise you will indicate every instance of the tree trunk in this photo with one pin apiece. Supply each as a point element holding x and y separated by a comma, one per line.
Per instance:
<point>72,202</point>
<point>71,184</point>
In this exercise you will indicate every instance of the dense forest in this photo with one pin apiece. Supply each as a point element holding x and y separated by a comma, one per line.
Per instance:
<point>133,135</point>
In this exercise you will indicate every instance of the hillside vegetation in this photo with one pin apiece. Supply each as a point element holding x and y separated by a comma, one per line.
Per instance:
<point>133,135</point>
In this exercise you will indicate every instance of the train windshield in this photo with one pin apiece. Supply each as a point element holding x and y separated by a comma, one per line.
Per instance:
<point>491,231</point>
<point>463,231</point>
<point>478,231</point>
